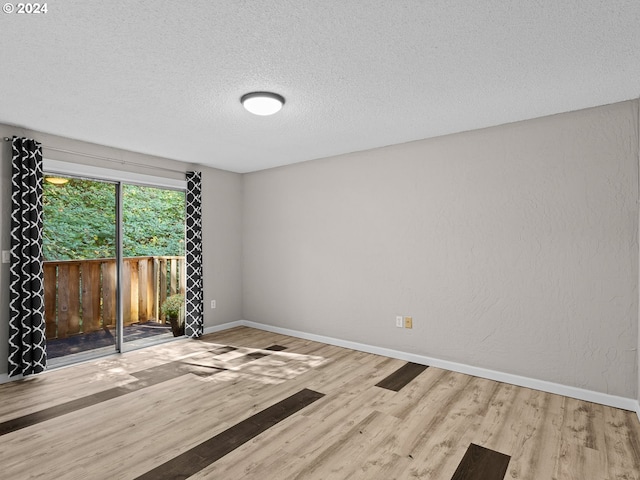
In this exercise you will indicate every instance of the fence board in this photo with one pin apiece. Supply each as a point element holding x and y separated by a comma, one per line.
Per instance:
<point>74,299</point>
<point>109,293</point>
<point>90,297</point>
<point>126,297</point>
<point>162,289</point>
<point>68,299</point>
<point>133,289</point>
<point>63,301</point>
<point>82,293</point>
<point>151,289</point>
<point>183,274</point>
<point>173,276</point>
<point>143,287</point>
<point>156,289</point>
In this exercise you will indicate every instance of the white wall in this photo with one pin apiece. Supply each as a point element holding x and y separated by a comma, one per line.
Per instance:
<point>514,248</point>
<point>221,223</point>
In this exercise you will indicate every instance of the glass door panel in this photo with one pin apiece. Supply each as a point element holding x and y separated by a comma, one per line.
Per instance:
<point>79,248</point>
<point>153,266</point>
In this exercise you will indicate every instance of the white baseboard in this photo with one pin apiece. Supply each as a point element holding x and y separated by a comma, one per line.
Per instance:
<point>543,385</point>
<point>550,387</point>
<point>224,326</point>
<point>5,378</point>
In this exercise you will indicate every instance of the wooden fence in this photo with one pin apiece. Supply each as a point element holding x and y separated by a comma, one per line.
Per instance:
<point>80,295</point>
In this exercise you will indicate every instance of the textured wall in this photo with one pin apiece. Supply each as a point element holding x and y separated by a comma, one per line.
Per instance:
<point>222,225</point>
<point>514,248</point>
<point>222,245</point>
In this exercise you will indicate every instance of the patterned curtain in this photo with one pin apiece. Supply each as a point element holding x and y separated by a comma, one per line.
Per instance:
<point>194,318</point>
<point>27,339</point>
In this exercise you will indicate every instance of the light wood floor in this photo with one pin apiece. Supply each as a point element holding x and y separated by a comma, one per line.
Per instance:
<point>357,430</point>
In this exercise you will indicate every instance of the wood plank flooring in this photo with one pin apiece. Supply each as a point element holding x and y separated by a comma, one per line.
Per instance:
<point>482,464</point>
<point>245,403</point>
<point>401,377</point>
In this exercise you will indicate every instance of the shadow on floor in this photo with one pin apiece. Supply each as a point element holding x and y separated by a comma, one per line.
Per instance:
<point>104,338</point>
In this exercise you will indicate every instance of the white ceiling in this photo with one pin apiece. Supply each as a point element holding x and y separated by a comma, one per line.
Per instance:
<point>165,77</point>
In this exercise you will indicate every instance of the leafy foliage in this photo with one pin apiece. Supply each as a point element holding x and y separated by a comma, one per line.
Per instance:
<point>80,220</point>
<point>173,305</point>
<point>153,221</point>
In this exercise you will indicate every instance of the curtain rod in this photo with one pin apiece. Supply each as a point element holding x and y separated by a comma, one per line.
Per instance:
<point>107,159</point>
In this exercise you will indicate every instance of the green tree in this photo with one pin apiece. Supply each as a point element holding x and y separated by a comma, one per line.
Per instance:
<point>153,221</point>
<point>80,216</point>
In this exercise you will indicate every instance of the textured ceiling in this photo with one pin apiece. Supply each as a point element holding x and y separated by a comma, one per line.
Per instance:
<point>165,77</point>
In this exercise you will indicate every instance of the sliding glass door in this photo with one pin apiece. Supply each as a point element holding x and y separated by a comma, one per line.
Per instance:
<point>113,266</point>
<point>153,266</point>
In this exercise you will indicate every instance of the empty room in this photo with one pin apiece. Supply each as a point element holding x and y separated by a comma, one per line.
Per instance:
<point>284,239</point>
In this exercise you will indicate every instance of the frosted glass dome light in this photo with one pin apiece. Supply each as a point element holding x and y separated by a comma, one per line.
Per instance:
<point>262,103</point>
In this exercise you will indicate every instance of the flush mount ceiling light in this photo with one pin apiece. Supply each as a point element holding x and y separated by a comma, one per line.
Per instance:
<point>262,103</point>
<point>56,180</point>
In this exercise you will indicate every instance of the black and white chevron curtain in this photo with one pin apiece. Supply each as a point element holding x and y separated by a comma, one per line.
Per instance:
<point>27,339</point>
<point>194,317</point>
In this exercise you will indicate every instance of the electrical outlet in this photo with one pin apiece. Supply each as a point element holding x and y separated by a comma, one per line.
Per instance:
<point>6,256</point>
<point>408,322</point>
<point>399,322</point>
<point>213,304</point>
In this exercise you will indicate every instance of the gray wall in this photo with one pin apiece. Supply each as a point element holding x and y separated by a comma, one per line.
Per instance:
<point>222,221</point>
<point>514,248</point>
